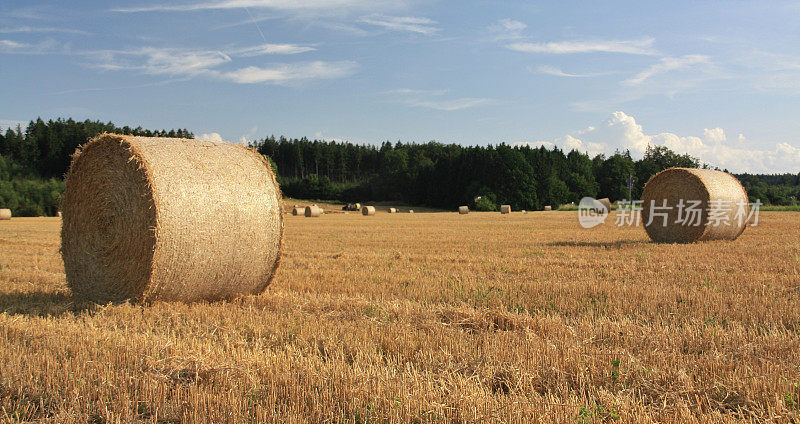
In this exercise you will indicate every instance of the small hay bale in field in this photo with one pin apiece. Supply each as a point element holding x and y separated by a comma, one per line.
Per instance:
<point>463,210</point>
<point>720,196</point>
<point>58,214</point>
<point>169,219</point>
<point>548,208</point>
<point>313,211</point>
<point>524,211</point>
<point>368,210</point>
<point>504,209</point>
<point>297,210</point>
<point>411,211</point>
<point>606,203</point>
<point>392,210</point>
<point>5,214</point>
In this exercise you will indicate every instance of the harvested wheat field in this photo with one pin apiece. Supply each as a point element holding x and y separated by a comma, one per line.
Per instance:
<point>424,318</point>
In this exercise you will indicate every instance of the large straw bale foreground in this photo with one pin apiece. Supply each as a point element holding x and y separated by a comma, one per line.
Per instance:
<point>169,219</point>
<point>720,194</point>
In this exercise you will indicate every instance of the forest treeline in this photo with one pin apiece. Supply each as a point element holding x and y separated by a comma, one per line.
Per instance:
<point>448,175</point>
<point>34,159</point>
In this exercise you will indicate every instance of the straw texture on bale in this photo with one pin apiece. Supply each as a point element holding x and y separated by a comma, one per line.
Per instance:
<point>714,189</point>
<point>548,208</point>
<point>392,210</point>
<point>368,210</point>
<point>5,214</point>
<point>313,211</point>
<point>463,210</point>
<point>169,219</point>
<point>606,202</point>
<point>505,209</point>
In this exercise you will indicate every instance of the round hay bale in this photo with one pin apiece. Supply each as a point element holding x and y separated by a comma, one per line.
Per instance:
<point>368,210</point>
<point>169,219</point>
<point>411,211</point>
<point>313,211</point>
<point>463,210</point>
<point>392,210</point>
<point>357,207</point>
<point>716,190</point>
<point>58,214</point>
<point>524,211</point>
<point>297,210</point>
<point>548,208</point>
<point>5,214</point>
<point>504,209</point>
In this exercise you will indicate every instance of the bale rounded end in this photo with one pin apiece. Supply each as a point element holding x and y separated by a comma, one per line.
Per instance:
<point>672,196</point>
<point>5,214</point>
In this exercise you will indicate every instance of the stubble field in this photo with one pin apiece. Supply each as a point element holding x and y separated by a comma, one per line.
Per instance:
<point>431,317</point>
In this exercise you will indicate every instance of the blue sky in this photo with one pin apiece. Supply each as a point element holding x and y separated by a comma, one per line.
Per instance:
<point>719,80</point>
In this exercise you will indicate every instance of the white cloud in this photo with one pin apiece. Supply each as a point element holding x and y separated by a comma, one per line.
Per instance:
<point>449,105</point>
<point>161,61</point>
<point>402,23</point>
<point>16,47</point>
<point>182,63</point>
<point>214,136</point>
<point>431,99</point>
<point>637,47</point>
<point>667,64</point>
<point>27,29</point>
<point>554,71</point>
<point>283,5</point>
<point>622,132</point>
<point>268,48</point>
<point>290,72</point>
<point>507,29</point>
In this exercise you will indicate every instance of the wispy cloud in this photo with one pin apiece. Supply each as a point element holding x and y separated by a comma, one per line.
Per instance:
<point>667,64</point>
<point>402,23</point>
<point>27,29</point>
<point>17,47</point>
<point>432,99</point>
<point>507,29</point>
<point>266,49</point>
<point>637,47</point>
<point>557,72</point>
<point>182,63</point>
<point>286,5</point>
<point>290,72</point>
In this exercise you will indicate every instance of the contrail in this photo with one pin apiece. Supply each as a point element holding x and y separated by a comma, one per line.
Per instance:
<point>256,24</point>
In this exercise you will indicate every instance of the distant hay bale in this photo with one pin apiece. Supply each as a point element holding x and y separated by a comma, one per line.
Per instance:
<point>169,219</point>
<point>463,210</point>
<point>313,211</point>
<point>505,209</point>
<point>5,214</point>
<point>606,203</point>
<point>368,210</point>
<point>58,214</point>
<point>548,208</point>
<point>411,211</point>
<point>524,211</point>
<point>718,191</point>
<point>297,210</point>
<point>392,210</point>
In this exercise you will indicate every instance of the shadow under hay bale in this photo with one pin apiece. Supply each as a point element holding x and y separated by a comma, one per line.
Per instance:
<point>169,219</point>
